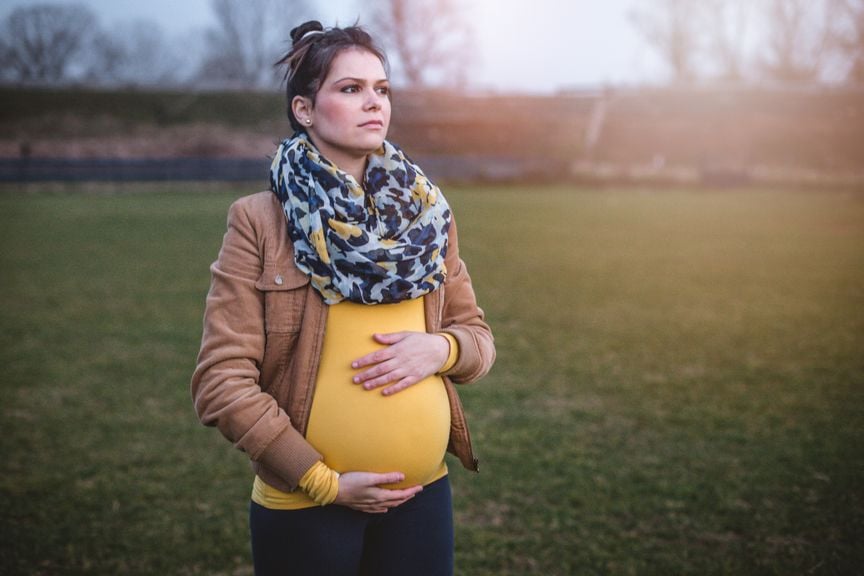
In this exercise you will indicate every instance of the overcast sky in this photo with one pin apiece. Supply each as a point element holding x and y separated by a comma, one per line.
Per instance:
<point>523,45</point>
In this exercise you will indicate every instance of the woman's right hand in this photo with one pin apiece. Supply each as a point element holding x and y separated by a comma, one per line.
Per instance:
<point>361,491</point>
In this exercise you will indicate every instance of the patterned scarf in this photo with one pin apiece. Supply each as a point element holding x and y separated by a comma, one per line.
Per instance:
<point>377,246</point>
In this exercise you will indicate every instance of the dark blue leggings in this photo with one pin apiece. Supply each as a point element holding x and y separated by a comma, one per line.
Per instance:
<point>415,538</point>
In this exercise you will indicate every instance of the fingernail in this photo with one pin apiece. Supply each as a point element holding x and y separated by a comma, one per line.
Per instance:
<point>353,364</point>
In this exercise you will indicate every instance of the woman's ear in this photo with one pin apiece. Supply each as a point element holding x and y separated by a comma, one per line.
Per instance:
<point>301,107</point>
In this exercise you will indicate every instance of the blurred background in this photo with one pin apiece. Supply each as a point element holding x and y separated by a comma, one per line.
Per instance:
<point>661,204</point>
<point>721,91</point>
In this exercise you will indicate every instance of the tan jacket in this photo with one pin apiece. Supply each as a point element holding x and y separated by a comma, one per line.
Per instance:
<point>263,330</point>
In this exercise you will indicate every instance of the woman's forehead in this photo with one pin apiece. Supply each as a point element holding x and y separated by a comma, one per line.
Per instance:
<point>356,63</point>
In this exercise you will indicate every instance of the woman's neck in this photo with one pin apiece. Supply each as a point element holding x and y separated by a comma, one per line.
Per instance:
<point>356,168</point>
<point>348,163</point>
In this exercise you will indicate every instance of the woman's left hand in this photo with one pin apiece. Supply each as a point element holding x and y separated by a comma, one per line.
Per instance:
<point>409,358</point>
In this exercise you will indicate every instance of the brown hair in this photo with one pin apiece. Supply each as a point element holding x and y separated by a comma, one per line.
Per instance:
<point>313,50</point>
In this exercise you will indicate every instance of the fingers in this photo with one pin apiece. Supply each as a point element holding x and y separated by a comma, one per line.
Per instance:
<point>363,491</point>
<point>371,510</point>
<point>390,338</point>
<point>382,354</point>
<point>400,385</point>
<point>377,479</point>
<point>380,509</point>
<point>399,377</point>
<point>401,495</point>
<point>373,358</point>
<point>378,375</point>
<point>391,498</point>
<point>408,358</point>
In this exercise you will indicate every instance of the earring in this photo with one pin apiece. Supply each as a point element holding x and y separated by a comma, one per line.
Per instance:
<point>308,121</point>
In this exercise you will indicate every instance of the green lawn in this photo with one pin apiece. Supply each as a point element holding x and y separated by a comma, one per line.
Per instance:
<point>679,386</point>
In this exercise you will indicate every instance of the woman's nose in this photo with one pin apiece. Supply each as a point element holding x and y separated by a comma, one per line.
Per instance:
<point>373,100</point>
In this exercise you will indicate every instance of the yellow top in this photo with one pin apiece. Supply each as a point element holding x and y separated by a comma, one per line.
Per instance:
<point>363,430</point>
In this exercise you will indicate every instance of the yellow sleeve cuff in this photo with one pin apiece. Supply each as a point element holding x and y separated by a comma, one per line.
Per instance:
<point>454,352</point>
<point>321,483</point>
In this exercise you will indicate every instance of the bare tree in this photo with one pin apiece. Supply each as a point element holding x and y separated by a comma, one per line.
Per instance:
<point>668,26</point>
<point>247,39</point>
<point>798,35</point>
<point>726,23</point>
<point>106,60</point>
<point>428,41</point>
<point>44,43</point>
<point>7,72</point>
<point>134,53</point>
<point>848,37</point>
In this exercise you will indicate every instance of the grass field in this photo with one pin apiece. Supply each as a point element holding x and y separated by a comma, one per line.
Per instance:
<point>679,386</point>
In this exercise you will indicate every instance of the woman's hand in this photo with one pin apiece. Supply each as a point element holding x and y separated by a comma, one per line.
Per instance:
<point>361,491</point>
<point>409,358</point>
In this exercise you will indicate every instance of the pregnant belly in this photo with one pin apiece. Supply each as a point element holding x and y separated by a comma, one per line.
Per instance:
<point>362,430</point>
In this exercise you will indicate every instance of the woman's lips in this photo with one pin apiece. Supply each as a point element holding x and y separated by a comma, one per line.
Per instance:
<point>372,124</point>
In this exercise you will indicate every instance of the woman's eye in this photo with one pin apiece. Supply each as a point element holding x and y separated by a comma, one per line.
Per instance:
<point>351,89</point>
<point>383,90</point>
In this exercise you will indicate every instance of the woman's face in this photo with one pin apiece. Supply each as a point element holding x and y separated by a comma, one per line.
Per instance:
<point>351,114</point>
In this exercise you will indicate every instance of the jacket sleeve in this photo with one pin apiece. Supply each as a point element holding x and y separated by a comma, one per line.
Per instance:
<point>225,385</point>
<point>464,320</point>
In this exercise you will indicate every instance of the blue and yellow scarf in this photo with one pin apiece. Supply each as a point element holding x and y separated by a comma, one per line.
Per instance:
<point>380,245</point>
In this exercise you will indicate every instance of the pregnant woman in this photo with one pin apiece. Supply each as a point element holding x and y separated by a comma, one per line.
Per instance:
<point>338,319</point>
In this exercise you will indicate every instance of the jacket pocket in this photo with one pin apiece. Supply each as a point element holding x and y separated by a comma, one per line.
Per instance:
<point>278,353</point>
<point>284,298</point>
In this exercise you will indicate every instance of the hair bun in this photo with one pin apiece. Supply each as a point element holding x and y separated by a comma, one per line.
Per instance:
<point>303,29</point>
